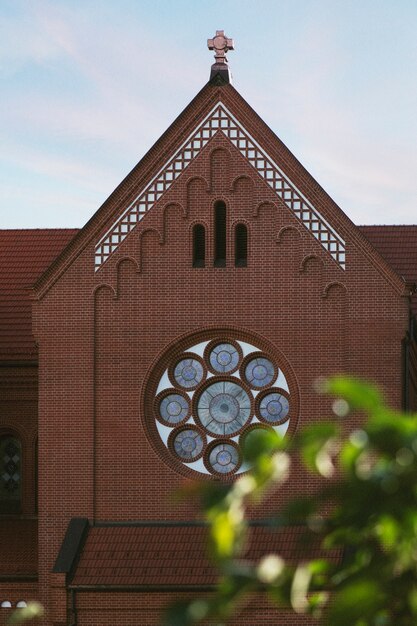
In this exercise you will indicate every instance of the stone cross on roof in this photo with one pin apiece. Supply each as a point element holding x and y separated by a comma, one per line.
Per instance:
<point>221,44</point>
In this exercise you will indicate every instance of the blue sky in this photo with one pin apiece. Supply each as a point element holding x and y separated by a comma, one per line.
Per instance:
<point>87,86</point>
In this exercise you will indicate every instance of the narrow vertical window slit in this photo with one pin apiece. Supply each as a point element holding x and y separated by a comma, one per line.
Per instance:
<point>199,246</point>
<point>220,234</point>
<point>241,245</point>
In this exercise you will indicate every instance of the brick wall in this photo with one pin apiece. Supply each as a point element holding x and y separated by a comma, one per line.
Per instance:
<point>101,334</point>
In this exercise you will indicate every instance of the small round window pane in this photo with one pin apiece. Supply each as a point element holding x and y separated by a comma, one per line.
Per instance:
<point>224,358</point>
<point>223,408</point>
<point>259,372</point>
<point>188,444</point>
<point>173,408</point>
<point>188,373</point>
<point>274,408</point>
<point>223,458</point>
<point>6,604</point>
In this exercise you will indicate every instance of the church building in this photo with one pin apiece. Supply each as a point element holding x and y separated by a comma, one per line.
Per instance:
<point>201,301</point>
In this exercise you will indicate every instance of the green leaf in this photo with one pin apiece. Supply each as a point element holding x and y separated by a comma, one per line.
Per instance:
<point>186,613</point>
<point>227,532</point>
<point>388,531</point>
<point>358,394</point>
<point>259,442</point>
<point>32,611</point>
<point>314,443</point>
<point>355,600</point>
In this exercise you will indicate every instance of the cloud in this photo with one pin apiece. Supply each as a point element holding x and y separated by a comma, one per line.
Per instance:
<point>90,87</point>
<point>361,158</point>
<point>90,107</point>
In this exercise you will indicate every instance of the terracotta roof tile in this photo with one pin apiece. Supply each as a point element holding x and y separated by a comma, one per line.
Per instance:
<point>24,256</point>
<point>18,547</point>
<point>173,555</point>
<point>398,246</point>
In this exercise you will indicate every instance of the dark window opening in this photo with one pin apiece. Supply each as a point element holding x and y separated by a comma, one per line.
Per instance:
<point>241,245</point>
<point>220,234</point>
<point>199,246</point>
<point>36,476</point>
<point>10,474</point>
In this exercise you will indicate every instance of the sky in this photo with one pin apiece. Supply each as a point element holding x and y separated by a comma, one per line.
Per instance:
<point>87,87</point>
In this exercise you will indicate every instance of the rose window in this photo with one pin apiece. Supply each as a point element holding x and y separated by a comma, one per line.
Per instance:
<point>210,395</point>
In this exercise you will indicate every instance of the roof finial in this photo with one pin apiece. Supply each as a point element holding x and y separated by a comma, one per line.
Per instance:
<point>220,44</point>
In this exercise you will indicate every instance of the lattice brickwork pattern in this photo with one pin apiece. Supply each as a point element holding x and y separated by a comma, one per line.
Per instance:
<point>221,120</point>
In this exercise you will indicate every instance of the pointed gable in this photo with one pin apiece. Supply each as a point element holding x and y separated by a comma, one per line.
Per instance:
<point>218,110</point>
<point>221,120</point>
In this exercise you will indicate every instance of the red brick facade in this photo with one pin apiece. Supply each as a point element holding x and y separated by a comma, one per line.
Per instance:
<point>107,333</point>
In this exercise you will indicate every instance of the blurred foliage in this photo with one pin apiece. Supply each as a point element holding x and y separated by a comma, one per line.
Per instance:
<point>369,491</point>
<point>30,613</point>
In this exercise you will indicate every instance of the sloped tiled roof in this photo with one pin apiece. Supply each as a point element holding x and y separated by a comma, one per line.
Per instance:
<point>173,555</point>
<point>398,246</point>
<point>19,548</point>
<point>24,256</point>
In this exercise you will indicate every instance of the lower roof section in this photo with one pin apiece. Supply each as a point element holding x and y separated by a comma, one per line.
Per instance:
<point>398,246</point>
<point>163,556</point>
<point>24,256</point>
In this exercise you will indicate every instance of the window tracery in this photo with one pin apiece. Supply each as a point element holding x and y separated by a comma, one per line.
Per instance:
<point>10,474</point>
<point>208,397</point>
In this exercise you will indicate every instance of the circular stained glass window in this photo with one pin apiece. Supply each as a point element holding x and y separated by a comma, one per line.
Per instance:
<point>223,458</point>
<point>207,398</point>
<point>223,408</point>
<point>224,358</point>
<point>188,444</point>
<point>260,372</point>
<point>173,408</point>
<point>188,373</point>
<point>274,408</point>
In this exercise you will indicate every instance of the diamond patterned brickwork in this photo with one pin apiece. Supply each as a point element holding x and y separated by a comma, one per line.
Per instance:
<point>221,120</point>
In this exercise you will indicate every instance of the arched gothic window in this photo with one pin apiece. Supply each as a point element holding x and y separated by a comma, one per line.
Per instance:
<point>10,474</point>
<point>220,234</point>
<point>241,245</point>
<point>199,245</point>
